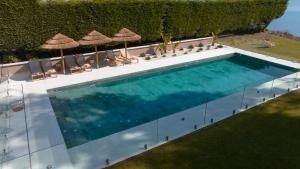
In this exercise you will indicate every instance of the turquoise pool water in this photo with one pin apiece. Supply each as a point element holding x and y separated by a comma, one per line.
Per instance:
<point>91,111</point>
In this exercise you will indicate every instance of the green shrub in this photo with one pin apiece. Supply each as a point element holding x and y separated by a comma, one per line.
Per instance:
<point>10,59</point>
<point>142,55</point>
<point>190,18</point>
<point>26,24</point>
<point>199,50</point>
<point>200,44</point>
<point>31,23</point>
<point>191,46</point>
<point>147,58</point>
<point>30,57</point>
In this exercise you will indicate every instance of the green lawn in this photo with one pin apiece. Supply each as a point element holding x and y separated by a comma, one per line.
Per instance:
<point>264,137</point>
<point>285,48</point>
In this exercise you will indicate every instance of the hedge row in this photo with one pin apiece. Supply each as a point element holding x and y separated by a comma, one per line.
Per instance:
<point>191,18</point>
<point>26,24</point>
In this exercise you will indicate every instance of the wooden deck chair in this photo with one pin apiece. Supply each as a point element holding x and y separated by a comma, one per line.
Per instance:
<point>72,65</point>
<point>82,63</point>
<point>36,71</point>
<point>48,68</point>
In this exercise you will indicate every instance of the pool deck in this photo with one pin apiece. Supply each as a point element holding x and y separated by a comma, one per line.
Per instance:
<point>36,141</point>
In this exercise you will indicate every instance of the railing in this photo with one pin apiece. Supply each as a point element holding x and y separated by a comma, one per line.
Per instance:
<point>11,109</point>
<point>119,146</point>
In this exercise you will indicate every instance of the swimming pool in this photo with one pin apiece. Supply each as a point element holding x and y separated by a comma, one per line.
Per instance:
<point>94,110</point>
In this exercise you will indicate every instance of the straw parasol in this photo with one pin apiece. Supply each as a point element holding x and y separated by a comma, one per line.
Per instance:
<point>95,38</point>
<point>125,35</point>
<point>60,41</point>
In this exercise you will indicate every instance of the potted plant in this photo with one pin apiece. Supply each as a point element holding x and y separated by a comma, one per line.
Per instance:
<point>191,46</point>
<point>200,44</point>
<point>142,55</point>
<point>174,46</point>
<point>199,50</point>
<point>220,46</point>
<point>215,36</point>
<point>147,58</point>
<point>166,40</point>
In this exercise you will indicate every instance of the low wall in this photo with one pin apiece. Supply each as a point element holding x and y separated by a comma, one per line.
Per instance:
<point>21,67</point>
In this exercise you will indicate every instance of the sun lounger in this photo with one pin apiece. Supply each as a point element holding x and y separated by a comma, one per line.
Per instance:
<point>36,71</point>
<point>130,58</point>
<point>71,64</point>
<point>47,68</point>
<point>114,60</point>
<point>82,63</point>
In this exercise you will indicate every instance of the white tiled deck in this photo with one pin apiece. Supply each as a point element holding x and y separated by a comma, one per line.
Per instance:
<point>44,144</point>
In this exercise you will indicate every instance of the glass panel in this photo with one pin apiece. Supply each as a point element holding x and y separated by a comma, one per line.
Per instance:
<point>222,108</point>
<point>4,80</point>
<point>284,85</point>
<point>297,83</point>
<point>2,135</point>
<point>3,120</point>
<point>181,123</point>
<point>256,95</point>
<point>117,146</point>
<point>134,140</point>
<point>12,123</point>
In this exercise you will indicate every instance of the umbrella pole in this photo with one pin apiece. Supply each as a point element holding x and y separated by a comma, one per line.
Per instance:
<point>62,61</point>
<point>97,57</point>
<point>126,49</point>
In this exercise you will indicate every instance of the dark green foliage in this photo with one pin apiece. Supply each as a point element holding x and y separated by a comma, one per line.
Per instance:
<point>142,55</point>
<point>191,46</point>
<point>220,46</point>
<point>26,24</point>
<point>147,58</point>
<point>200,44</point>
<point>190,18</point>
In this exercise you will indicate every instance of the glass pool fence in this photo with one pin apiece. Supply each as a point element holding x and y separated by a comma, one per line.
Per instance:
<point>11,103</point>
<point>124,144</point>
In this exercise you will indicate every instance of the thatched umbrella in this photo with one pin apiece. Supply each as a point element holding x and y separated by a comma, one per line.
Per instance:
<point>60,41</point>
<point>95,38</point>
<point>125,35</point>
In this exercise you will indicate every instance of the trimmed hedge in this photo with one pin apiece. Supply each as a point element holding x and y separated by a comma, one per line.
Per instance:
<point>191,18</point>
<point>26,24</point>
